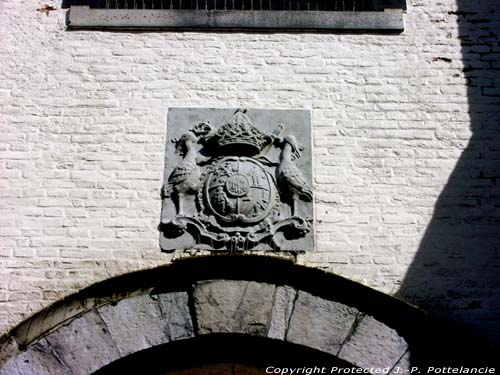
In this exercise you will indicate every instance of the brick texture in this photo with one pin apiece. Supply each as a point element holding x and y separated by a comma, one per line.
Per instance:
<point>83,124</point>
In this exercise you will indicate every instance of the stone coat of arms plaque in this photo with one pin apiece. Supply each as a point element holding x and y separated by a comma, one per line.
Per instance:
<point>237,179</point>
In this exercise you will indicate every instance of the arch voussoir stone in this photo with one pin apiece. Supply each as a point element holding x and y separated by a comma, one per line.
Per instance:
<point>38,359</point>
<point>134,324</point>
<point>373,344</point>
<point>284,300</point>
<point>404,363</point>
<point>233,306</point>
<point>141,322</point>
<point>81,343</point>
<point>319,323</point>
<point>84,345</point>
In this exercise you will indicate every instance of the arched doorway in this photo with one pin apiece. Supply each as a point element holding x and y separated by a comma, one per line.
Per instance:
<point>233,354</point>
<point>216,307</point>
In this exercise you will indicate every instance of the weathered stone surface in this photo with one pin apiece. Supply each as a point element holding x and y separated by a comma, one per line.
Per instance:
<point>83,17</point>
<point>372,343</point>
<point>403,365</point>
<point>135,323</point>
<point>38,359</point>
<point>98,338</point>
<point>233,306</point>
<point>8,349</point>
<point>175,312</point>
<point>84,345</point>
<point>238,179</point>
<point>50,318</point>
<point>319,323</point>
<point>282,310</point>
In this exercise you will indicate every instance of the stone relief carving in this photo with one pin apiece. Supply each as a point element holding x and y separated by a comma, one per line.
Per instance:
<point>240,185</point>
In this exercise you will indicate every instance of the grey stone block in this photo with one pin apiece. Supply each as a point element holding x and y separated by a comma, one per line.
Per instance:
<point>233,306</point>
<point>84,345</point>
<point>83,17</point>
<point>404,364</point>
<point>135,323</point>
<point>37,359</point>
<point>238,179</point>
<point>282,310</point>
<point>50,318</point>
<point>176,314</point>
<point>102,336</point>
<point>319,323</point>
<point>373,344</point>
<point>8,349</point>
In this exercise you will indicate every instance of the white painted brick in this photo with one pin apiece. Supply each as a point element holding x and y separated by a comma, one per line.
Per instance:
<point>83,122</point>
<point>24,252</point>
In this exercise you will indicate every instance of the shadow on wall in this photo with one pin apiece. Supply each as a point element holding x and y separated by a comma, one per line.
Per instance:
<point>456,272</point>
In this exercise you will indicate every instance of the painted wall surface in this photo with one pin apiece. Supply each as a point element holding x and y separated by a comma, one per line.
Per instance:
<point>405,133</point>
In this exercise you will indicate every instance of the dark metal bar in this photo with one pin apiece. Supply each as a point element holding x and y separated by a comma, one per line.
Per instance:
<point>253,5</point>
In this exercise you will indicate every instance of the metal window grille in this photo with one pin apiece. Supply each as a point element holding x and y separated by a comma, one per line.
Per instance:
<point>256,5</point>
<point>359,15</point>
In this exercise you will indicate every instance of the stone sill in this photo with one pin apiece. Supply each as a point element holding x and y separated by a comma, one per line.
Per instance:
<point>83,17</point>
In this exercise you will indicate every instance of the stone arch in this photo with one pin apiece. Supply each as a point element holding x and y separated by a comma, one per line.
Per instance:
<point>205,298</point>
<point>247,353</point>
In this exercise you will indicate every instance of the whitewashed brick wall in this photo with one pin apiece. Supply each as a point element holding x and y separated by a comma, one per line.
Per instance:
<point>83,124</point>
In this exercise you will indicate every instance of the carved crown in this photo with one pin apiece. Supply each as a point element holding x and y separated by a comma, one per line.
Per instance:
<point>240,136</point>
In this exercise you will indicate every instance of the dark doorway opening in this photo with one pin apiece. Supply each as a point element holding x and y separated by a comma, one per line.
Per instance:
<point>231,354</point>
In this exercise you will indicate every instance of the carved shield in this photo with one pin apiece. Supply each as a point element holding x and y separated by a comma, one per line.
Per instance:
<point>239,190</point>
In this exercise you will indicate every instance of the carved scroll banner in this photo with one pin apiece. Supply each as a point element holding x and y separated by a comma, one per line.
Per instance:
<point>237,179</point>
